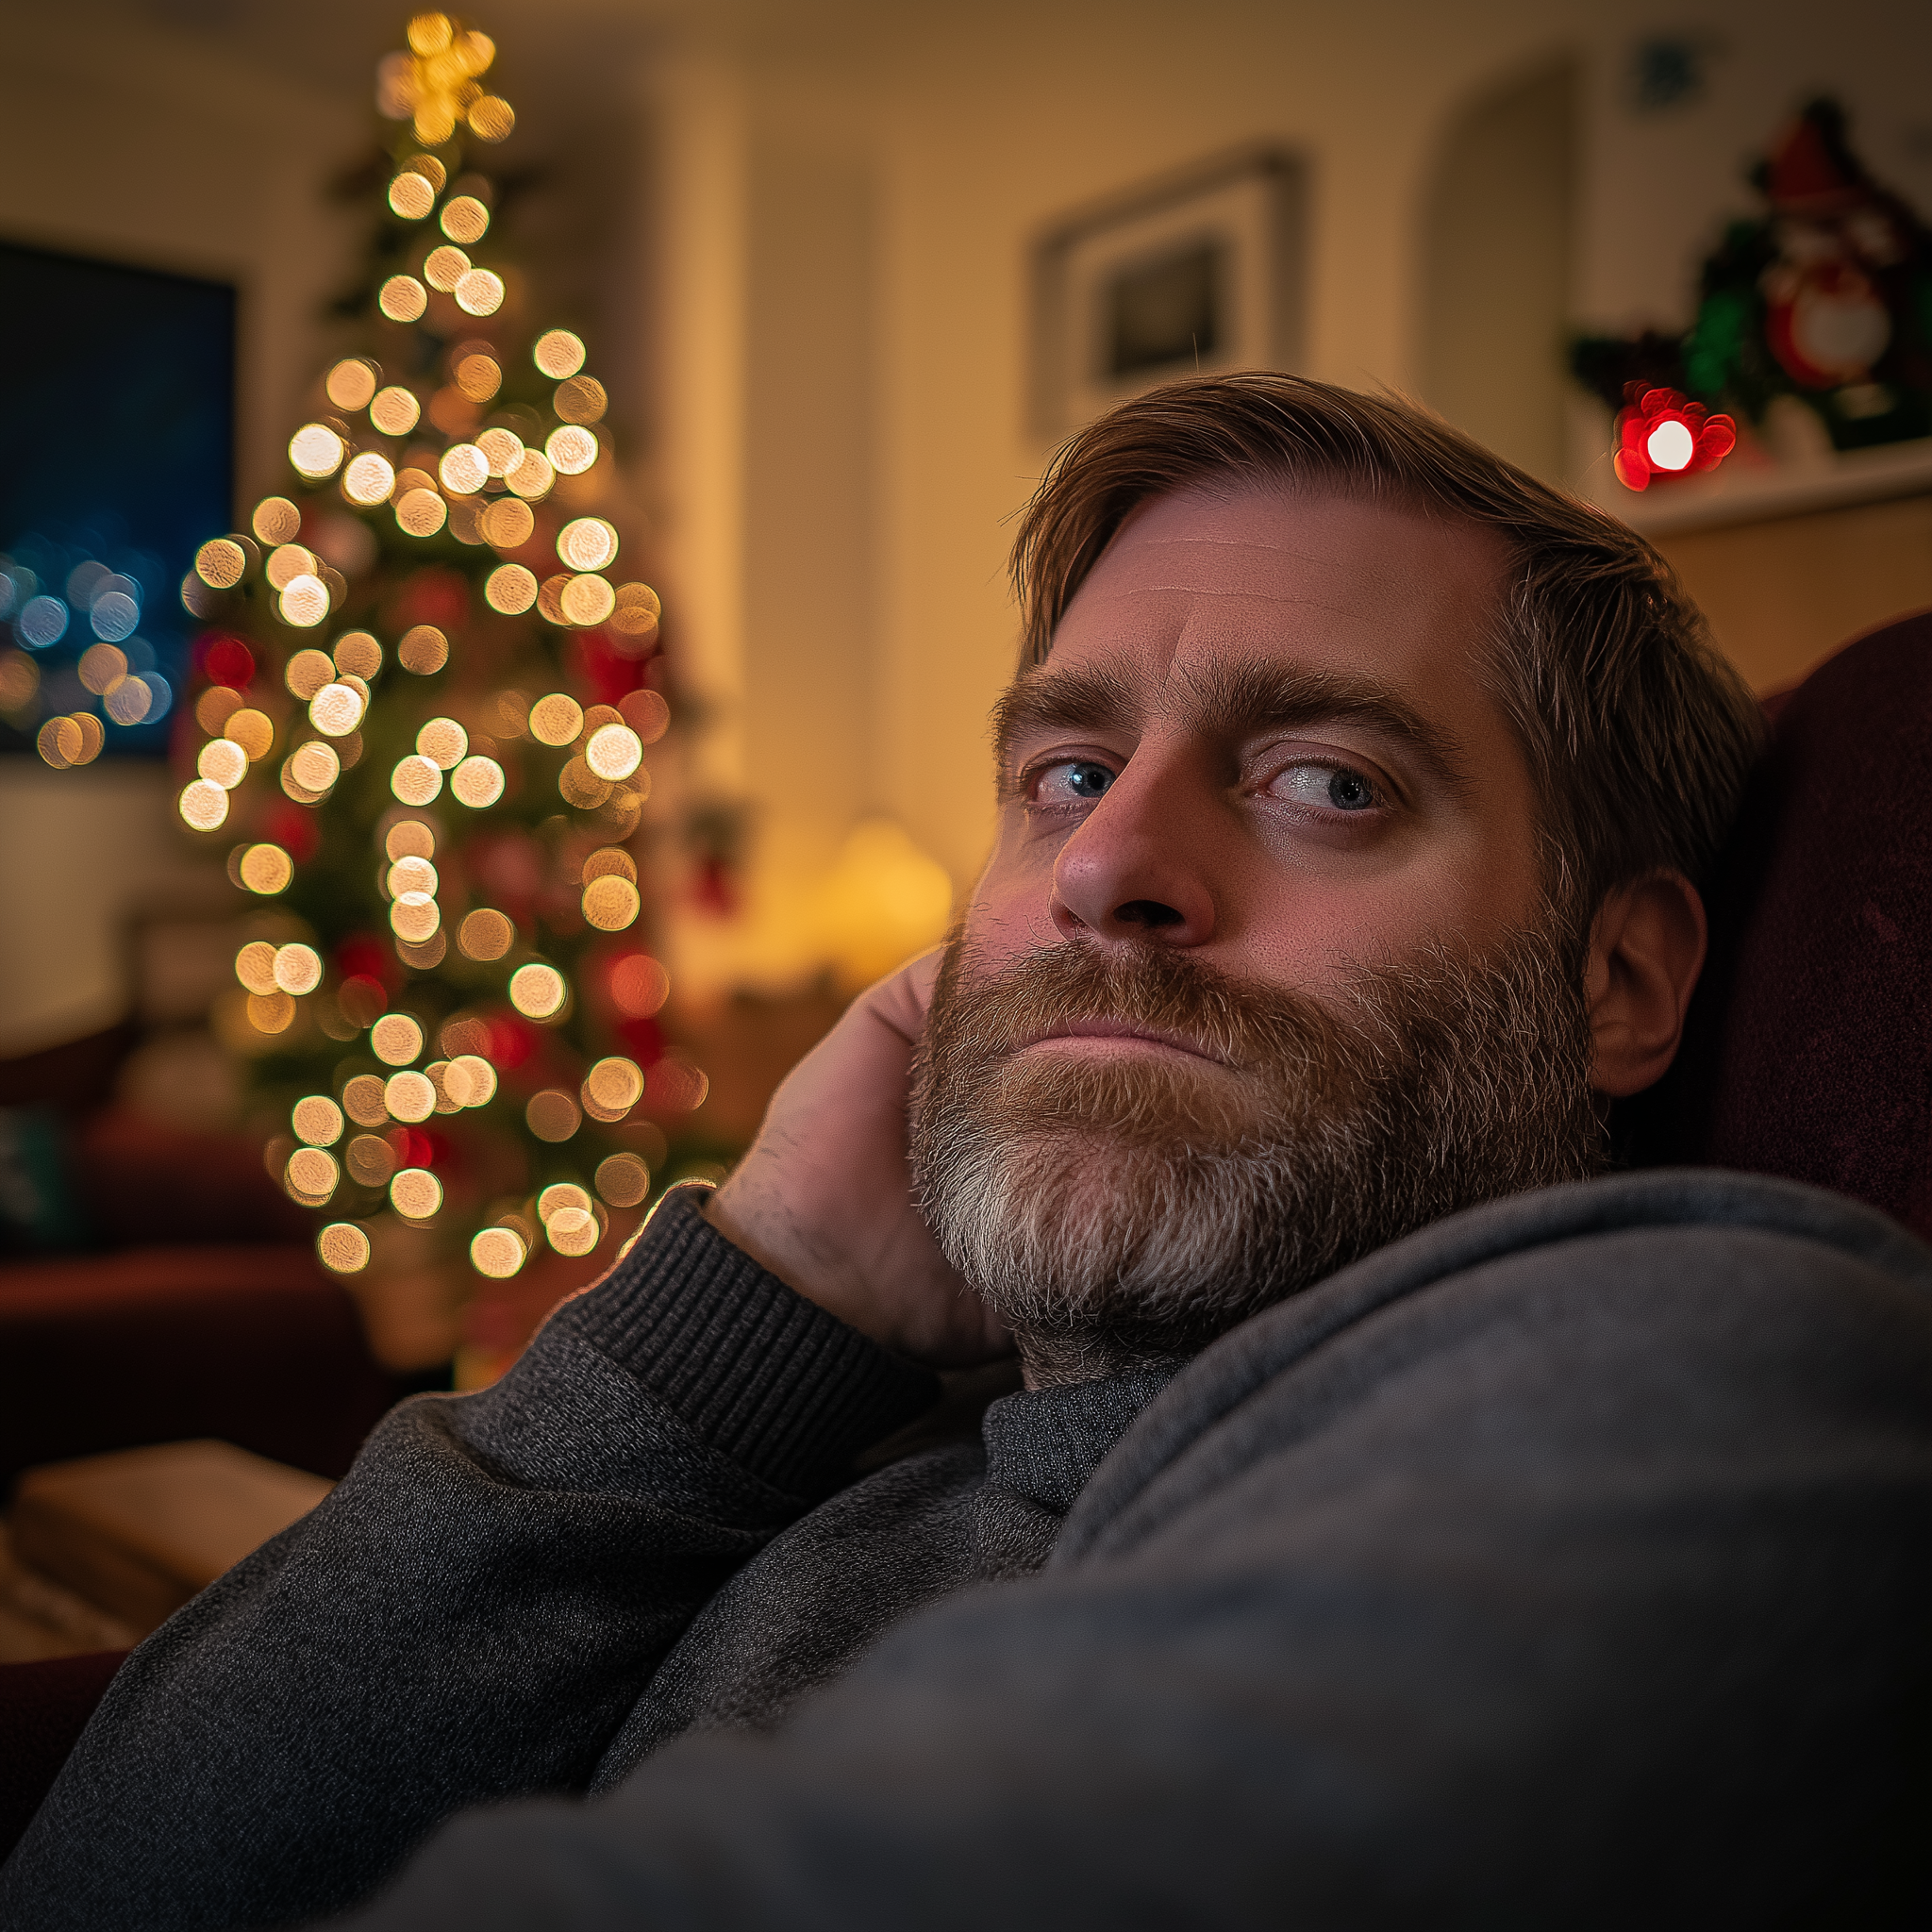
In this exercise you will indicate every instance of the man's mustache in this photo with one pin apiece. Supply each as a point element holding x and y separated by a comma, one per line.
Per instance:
<point>1158,991</point>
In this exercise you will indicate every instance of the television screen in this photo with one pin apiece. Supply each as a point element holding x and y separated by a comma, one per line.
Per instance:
<point>117,420</point>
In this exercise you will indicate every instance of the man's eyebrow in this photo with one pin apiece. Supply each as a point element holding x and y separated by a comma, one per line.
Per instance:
<point>1230,699</point>
<point>1227,699</point>
<point>1048,699</point>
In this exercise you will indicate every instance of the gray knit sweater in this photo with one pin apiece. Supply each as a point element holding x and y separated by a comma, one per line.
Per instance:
<point>1570,1562</point>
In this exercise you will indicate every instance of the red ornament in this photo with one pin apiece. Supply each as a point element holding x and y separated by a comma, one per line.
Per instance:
<point>224,659</point>
<point>1663,434</point>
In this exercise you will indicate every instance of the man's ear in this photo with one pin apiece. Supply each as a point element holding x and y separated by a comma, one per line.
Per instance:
<point>1646,950</point>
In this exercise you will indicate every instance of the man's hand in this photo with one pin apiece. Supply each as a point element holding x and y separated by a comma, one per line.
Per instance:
<point>824,1197</point>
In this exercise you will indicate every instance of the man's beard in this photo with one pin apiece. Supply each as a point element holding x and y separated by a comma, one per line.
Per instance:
<point>1126,1209</point>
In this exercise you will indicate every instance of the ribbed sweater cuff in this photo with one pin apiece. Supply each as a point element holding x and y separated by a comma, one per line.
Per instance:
<point>772,1380</point>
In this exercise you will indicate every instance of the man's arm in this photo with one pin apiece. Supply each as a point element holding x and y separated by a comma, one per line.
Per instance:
<point>473,1611</point>
<point>1587,1585</point>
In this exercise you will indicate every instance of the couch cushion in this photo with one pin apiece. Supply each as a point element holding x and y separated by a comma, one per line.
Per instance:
<point>1807,1051</point>
<point>257,1345</point>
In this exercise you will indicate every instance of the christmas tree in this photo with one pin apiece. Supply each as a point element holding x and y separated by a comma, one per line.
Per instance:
<point>427,688</point>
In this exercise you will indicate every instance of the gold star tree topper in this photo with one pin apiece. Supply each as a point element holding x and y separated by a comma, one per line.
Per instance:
<point>436,84</point>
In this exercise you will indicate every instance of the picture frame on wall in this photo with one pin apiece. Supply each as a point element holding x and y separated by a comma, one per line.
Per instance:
<point>1198,272</point>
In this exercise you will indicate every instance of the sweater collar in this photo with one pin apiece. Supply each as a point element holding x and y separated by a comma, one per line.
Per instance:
<point>1044,1444</point>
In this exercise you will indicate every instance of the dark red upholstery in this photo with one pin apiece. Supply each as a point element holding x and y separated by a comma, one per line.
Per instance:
<point>46,1706</point>
<point>1808,1048</point>
<point>255,1346</point>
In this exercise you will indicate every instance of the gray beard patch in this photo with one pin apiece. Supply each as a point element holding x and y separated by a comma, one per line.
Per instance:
<point>1123,1210</point>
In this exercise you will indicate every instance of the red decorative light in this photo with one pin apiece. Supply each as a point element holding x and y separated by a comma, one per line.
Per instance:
<point>1664,434</point>
<point>226,659</point>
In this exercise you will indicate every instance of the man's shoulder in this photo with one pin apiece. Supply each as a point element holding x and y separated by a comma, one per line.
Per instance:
<point>1670,1314</point>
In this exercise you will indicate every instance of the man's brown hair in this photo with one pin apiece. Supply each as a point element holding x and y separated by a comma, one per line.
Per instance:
<point>1639,734</point>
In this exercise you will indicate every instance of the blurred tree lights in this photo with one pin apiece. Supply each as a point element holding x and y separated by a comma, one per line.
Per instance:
<point>426,689</point>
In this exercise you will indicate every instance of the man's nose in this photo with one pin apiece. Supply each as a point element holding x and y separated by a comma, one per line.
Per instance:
<point>1139,867</point>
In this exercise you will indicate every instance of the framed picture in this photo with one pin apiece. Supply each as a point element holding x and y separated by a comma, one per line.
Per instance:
<point>1199,272</point>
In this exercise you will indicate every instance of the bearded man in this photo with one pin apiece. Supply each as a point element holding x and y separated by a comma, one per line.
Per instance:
<point>1395,1523</point>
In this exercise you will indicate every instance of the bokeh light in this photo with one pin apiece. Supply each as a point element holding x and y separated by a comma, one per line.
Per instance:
<point>444,742</point>
<point>573,1231</point>
<point>276,521</point>
<point>223,762</point>
<point>270,1012</point>
<point>395,1040</point>
<point>113,616</point>
<point>343,1248</point>
<point>59,742</point>
<point>369,1158</point>
<point>252,731</point>
<point>572,450</point>
<point>307,672</point>
<point>637,612</point>
<point>552,1115</point>
<point>536,991</point>
<point>312,1175</point>
<point>421,512</point>
<point>580,399</point>
<point>415,1193</point>
<point>422,650</point>
<point>622,1179</point>
<point>611,903</point>
<point>221,562</point>
<point>102,667</point>
<point>470,1081</point>
<point>287,561</point>
<point>464,468</point>
<point>317,1120</point>
<point>479,292</point>
<point>555,719</point>
<point>305,603</point>
<point>496,1251</point>
<point>508,524</point>
<point>203,806</point>
<point>369,478</point>
<point>42,620</point>
<point>362,1100</point>
<point>478,782</point>
<point>587,543</point>
<point>477,376</point>
<point>509,587</point>
<point>403,298</point>
<point>316,450</point>
<point>581,786</point>
<point>394,411</point>
<point>639,985</point>
<point>615,752</point>
<point>558,353</point>
<point>484,935</point>
<point>411,873</point>
<point>416,780</point>
<point>336,711</point>
<point>446,268</point>
<point>614,1084</point>
<point>412,197</point>
<point>129,702</point>
<point>266,869</point>
<point>414,916</point>
<point>357,652</point>
<point>352,382</point>
<point>255,966</point>
<point>588,600</point>
<point>409,838</point>
<point>298,968</point>
<point>533,477</point>
<point>492,118</point>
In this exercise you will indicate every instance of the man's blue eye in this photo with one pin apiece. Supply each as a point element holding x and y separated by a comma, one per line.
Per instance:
<point>1350,791</point>
<point>1072,780</point>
